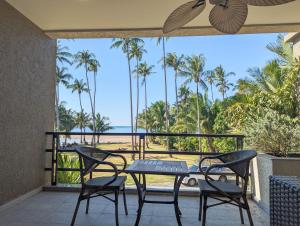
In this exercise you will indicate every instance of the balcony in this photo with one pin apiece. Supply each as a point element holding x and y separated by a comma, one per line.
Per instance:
<point>55,206</point>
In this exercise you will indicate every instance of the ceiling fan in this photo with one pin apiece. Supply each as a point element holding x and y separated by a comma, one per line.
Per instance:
<point>227,16</point>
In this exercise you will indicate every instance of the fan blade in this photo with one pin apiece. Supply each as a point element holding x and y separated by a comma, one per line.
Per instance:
<point>267,2</point>
<point>216,2</point>
<point>230,18</point>
<point>183,14</point>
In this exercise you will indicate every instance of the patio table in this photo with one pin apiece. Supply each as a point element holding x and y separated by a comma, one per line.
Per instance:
<point>178,169</point>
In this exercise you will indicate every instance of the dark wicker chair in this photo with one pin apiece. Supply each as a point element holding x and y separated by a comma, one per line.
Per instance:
<point>90,158</point>
<point>225,192</point>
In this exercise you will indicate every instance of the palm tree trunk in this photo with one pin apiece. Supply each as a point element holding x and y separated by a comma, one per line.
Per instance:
<point>212,94</point>
<point>56,108</point>
<point>198,116</point>
<point>81,108</point>
<point>137,97</point>
<point>146,108</point>
<point>130,86</point>
<point>91,102</point>
<point>211,144</point>
<point>84,135</point>
<point>95,89</point>
<point>166,92</point>
<point>176,93</point>
<point>298,94</point>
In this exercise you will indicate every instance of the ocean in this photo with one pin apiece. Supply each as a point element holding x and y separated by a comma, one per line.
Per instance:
<point>115,129</point>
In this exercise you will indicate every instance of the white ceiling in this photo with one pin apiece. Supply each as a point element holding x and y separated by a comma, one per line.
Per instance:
<point>75,16</point>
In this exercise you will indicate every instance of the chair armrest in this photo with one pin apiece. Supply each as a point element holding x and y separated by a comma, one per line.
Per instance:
<point>208,157</point>
<point>115,170</point>
<point>208,179</point>
<point>122,157</point>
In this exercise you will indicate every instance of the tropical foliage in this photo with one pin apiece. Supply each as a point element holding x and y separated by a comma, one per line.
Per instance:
<point>68,177</point>
<point>265,105</point>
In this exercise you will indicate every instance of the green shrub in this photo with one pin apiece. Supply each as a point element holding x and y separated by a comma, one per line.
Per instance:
<point>68,177</point>
<point>189,144</point>
<point>224,145</point>
<point>274,133</point>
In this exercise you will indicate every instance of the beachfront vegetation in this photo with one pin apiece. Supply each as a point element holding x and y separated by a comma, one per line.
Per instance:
<point>264,106</point>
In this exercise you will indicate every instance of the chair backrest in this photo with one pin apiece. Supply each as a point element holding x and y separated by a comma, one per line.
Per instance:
<point>89,158</point>
<point>239,162</point>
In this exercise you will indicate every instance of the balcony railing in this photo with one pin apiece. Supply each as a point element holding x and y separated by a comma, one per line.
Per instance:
<point>140,150</point>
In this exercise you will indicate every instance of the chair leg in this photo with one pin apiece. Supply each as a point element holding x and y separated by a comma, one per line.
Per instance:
<point>241,215</point>
<point>204,210</point>
<point>200,208</point>
<point>248,210</point>
<point>125,202</point>
<point>87,205</point>
<point>117,207</point>
<point>76,209</point>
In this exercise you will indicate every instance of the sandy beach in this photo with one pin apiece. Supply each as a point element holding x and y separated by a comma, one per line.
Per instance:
<point>103,139</point>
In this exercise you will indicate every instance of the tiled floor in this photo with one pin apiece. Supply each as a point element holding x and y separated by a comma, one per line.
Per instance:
<point>56,209</point>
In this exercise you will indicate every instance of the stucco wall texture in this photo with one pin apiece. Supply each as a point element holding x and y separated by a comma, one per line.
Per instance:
<point>27,90</point>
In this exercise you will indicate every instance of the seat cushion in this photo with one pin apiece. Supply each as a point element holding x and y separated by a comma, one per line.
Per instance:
<point>229,188</point>
<point>101,181</point>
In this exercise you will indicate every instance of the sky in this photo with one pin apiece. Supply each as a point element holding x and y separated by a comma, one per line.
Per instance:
<point>236,53</point>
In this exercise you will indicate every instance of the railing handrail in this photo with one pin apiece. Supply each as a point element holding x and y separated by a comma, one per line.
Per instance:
<point>148,134</point>
<point>141,152</point>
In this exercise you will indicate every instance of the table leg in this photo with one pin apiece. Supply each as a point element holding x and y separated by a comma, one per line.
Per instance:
<point>139,188</point>
<point>176,193</point>
<point>175,184</point>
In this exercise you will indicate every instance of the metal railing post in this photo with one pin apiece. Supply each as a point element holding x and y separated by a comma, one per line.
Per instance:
<point>56,157</point>
<point>53,160</point>
<point>239,143</point>
<point>144,146</point>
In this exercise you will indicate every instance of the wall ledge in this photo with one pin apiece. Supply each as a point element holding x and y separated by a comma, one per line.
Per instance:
<point>20,199</point>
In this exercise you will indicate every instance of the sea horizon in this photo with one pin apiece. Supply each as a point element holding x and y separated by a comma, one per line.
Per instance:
<point>114,129</point>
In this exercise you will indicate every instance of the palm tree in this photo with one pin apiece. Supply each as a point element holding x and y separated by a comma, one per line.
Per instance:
<point>94,65</point>
<point>125,45</point>
<point>144,70</point>
<point>210,77</point>
<point>102,125</point>
<point>84,58</point>
<point>163,41</point>
<point>62,54</point>
<point>288,63</point>
<point>266,80</point>
<point>137,51</point>
<point>156,115</point>
<point>284,51</point>
<point>79,86</point>
<point>193,69</point>
<point>66,118</point>
<point>62,77</point>
<point>175,62</point>
<point>82,119</point>
<point>222,83</point>
<point>209,113</point>
<point>184,94</point>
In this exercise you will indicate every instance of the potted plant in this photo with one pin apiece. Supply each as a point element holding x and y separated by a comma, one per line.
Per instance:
<point>276,137</point>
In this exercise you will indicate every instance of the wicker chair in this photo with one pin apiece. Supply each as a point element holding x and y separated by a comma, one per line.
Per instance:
<point>89,159</point>
<point>224,192</point>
